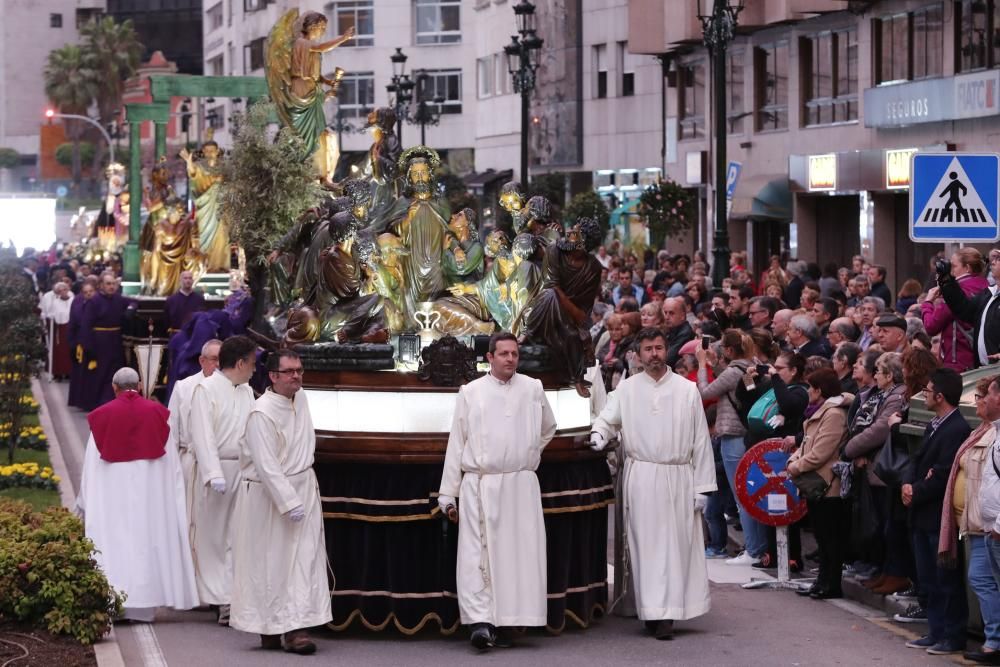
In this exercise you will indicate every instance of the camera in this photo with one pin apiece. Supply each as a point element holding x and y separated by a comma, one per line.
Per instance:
<point>762,370</point>
<point>942,266</point>
<point>705,341</point>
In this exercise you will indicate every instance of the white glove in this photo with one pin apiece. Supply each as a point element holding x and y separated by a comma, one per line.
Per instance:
<point>444,502</point>
<point>776,421</point>
<point>597,441</point>
<point>700,501</point>
<point>218,484</point>
<point>296,514</point>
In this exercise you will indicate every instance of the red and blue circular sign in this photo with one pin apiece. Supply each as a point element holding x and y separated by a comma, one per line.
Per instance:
<point>764,488</point>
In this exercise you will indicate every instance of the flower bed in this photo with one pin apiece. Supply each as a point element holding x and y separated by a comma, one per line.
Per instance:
<point>29,476</point>
<point>32,437</point>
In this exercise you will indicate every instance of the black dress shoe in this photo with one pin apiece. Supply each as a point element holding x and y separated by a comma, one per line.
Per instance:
<point>504,638</point>
<point>483,636</point>
<point>651,625</point>
<point>806,592</point>
<point>983,658</point>
<point>826,595</point>
<point>664,630</point>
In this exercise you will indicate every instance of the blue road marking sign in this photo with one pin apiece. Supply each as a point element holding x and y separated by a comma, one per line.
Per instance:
<point>954,197</point>
<point>732,179</point>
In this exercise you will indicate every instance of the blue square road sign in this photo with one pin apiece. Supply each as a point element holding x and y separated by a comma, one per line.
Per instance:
<point>954,197</point>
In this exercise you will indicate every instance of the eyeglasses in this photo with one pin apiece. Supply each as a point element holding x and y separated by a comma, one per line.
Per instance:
<point>755,312</point>
<point>288,372</point>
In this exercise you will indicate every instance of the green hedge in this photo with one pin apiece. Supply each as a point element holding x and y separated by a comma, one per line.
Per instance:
<point>48,575</point>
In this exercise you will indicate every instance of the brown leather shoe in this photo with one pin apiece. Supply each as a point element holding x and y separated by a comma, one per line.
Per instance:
<point>270,642</point>
<point>298,641</point>
<point>874,582</point>
<point>892,585</point>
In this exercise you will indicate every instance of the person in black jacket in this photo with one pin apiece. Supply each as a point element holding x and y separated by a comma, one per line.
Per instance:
<point>924,496</point>
<point>677,328</point>
<point>876,278</point>
<point>983,308</point>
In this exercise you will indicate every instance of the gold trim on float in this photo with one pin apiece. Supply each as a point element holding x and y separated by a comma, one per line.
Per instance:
<point>576,619</point>
<point>555,494</point>
<point>576,589</point>
<point>397,596</point>
<point>580,508</point>
<point>381,519</point>
<point>392,617</point>
<point>368,501</point>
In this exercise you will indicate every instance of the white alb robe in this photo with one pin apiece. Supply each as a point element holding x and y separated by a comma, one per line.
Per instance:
<point>180,426</point>
<point>497,435</point>
<point>219,411</point>
<point>668,459</point>
<point>134,514</point>
<point>57,309</point>
<point>279,566</point>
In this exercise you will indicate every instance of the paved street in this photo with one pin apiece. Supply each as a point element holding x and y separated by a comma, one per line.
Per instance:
<point>744,627</point>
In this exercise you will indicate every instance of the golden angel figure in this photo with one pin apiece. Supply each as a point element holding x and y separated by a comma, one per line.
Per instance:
<point>206,179</point>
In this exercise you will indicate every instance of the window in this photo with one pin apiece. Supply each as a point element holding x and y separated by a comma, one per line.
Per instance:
<point>601,69</point>
<point>484,77</point>
<point>438,21</point>
<point>736,111</point>
<point>627,64</point>
<point>55,20</point>
<point>214,17</point>
<point>691,111</point>
<point>253,5</point>
<point>445,83</point>
<point>253,55</point>
<point>216,117</point>
<point>830,66</point>
<point>902,39</point>
<point>215,66</point>
<point>231,58</point>
<point>356,96</point>
<point>771,66</point>
<point>86,15</point>
<point>504,81</point>
<point>359,14</point>
<point>972,20</point>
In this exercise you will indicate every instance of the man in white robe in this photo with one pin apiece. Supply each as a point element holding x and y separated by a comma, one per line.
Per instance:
<point>180,415</point>
<point>279,551</point>
<point>220,406</point>
<point>668,468</point>
<point>132,501</point>
<point>502,422</point>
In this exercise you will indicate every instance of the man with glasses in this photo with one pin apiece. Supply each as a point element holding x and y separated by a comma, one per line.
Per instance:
<point>761,312</point>
<point>983,309</point>
<point>278,513</point>
<point>220,406</point>
<point>180,414</point>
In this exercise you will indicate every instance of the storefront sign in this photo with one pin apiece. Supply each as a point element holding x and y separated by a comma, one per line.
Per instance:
<point>950,98</point>
<point>822,172</point>
<point>897,168</point>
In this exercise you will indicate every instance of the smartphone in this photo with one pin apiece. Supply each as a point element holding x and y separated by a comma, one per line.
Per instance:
<point>705,340</point>
<point>762,370</point>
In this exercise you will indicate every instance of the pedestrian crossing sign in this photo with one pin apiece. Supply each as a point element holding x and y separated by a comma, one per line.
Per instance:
<point>954,197</point>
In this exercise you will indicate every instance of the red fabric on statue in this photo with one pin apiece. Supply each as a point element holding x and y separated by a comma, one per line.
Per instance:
<point>130,428</point>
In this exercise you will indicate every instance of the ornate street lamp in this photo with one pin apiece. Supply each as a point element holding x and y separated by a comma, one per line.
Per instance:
<point>400,90</point>
<point>718,26</point>
<point>523,56</point>
<point>428,112</point>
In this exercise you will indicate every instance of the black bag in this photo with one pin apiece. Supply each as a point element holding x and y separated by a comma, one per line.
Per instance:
<point>811,485</point>
<point>893,464</point>
<point>864,515</point>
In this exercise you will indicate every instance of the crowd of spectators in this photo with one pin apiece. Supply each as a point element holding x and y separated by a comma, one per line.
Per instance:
<point>828,361</point>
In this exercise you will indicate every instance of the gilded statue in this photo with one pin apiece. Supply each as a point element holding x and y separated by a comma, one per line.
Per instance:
<point>205,176</point>
<point>512,201</point>
<point>385,278</point>
<point>155,197</point>
<point>174,250</point>
<point>114,214</point>
<point>382,157</point>
<point>463,258</point>
<point>295,80</point>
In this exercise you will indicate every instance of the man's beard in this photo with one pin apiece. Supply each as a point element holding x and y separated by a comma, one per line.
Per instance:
<point>655,364</point>
<point>421,188</point>
<point>568,245</point>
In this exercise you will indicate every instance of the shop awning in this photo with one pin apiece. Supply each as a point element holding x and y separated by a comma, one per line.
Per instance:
<point>763,197</point>
<point>621,212</point>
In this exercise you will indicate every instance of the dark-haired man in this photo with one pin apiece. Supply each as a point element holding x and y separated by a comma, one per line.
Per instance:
<point>668,466</point>
<point>946,605</point>
<point>501,423</point>
<point>220,405</point>
<point>286,592</point>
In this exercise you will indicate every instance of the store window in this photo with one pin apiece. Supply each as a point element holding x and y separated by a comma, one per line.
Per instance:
<point>438,21</point>
<point>446,84</point>
<point>909,46</point>
<point>736,109</point>
<point>691,110</point>
<point>771,67</point>
<point>357,14</point>
<point>830,69</point>
<point>356,96</point>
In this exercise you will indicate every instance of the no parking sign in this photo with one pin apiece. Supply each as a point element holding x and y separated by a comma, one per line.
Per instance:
<point>764,487</point>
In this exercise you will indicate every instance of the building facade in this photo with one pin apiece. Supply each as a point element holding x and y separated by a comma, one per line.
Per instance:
<point>172,27</point>
<point>30,29</point>
<point>826,101</point>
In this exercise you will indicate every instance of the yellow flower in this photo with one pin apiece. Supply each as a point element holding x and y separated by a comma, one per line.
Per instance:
<point>45,475</point>
<point>56,478</point>
<point>29,473</point>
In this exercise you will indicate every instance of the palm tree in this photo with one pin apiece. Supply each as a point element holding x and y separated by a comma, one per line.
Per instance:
<point>71,85</point>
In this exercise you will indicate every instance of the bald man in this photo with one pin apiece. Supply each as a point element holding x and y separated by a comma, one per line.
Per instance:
<point>677,328</point>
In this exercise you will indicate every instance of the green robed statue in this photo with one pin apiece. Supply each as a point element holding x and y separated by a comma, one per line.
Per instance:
<point>295,77</point>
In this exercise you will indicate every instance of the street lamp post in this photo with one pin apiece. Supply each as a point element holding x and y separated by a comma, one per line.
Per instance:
<point>718,29</point>
<point>400,90</point>
<point>427,112</point>
<point>522,62</point>
<point>51,113</point>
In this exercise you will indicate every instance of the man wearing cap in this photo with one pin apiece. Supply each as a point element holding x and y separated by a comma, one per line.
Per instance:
<point>892,333</point>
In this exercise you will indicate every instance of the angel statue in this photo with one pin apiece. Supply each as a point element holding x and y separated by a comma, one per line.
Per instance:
<point>206,180</point>
<point>295,80</point>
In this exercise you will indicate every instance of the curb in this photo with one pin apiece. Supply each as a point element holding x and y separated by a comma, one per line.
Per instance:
<point>106,651</point>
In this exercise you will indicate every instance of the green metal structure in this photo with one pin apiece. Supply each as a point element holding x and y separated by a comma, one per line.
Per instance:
<point>163,88</point>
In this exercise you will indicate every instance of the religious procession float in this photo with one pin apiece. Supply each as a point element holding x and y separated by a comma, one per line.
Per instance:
<point>390,297</point>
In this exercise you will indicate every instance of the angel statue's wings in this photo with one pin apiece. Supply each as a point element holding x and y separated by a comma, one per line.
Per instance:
<point>278,52</point>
